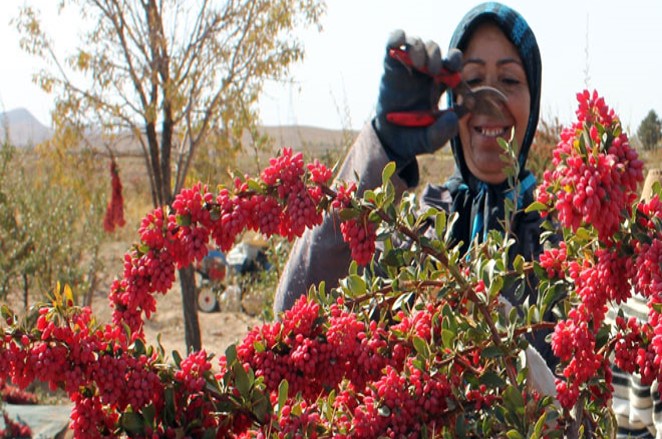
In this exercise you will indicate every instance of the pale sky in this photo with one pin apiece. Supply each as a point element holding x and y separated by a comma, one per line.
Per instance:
<point>341,71</point>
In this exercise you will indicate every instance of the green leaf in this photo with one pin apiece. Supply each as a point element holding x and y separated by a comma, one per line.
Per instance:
<point>603,336</point>
<point>492,352</point>
<point>537,430</point>
<point>392,258</point>
<point>242,381</point>
<point>68,295</point>
<point>369,195</point>
<point>514,434</point>
<point>259,346</point>
<point>496,286</point>
<point>512,399</point>
<point>388,172</point>
<point>7,313</point>
<point>132,422</point>
<point>254,185</point>
<point>518,263</point>
<point>283,389</point>
<point>226,406</point>
<point>329,405</point>
<point>169,415</point>
<point>348,213</point>
<point>421,346</point>
<point>374,217</point>
<point>536,206</point>
<point>460,426</point>
<point>261,406</point>
<point>183,220</point>
<point>440,224</point>
<point>447,338</point>
<point>583,234</point>
<point>149,412</point>
<point>492,379</point>
<point>356,284</point>
<point>177,358</point>
<point>139,347</point>
<point>231,354</point>
<point>321,293</point>
<point>532,315</point>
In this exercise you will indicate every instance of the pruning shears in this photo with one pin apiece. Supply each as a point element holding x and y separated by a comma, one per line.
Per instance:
<point>485,100</point>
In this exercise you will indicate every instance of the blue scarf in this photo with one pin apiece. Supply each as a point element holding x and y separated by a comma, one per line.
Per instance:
<point>481,205</point>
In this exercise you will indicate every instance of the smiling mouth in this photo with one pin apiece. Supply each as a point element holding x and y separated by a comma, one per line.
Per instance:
<point>494,132</point>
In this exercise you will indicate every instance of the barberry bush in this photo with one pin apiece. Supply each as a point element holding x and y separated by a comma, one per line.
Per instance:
<point>417,341</point>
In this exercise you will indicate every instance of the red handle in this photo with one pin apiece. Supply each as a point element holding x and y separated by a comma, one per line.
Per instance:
<point>411,118</point>
<point>450,79</point>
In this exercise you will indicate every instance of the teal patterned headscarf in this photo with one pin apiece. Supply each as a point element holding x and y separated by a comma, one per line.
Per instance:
<point>481,205</point>
<point>516,29</point>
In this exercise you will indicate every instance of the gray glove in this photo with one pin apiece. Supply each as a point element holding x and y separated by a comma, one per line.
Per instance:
<point>405,88</point>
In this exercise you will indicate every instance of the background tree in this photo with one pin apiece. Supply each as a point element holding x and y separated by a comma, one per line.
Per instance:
<point>650,131</point>
<point>174,74</point>
<point>50,226</point>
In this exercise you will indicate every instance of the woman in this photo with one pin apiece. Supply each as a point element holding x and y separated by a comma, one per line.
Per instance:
<point>500,51</point>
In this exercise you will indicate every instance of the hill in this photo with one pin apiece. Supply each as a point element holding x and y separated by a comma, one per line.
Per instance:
<point>22,129</point>
<point>317,141</point>
<point>25,130</point>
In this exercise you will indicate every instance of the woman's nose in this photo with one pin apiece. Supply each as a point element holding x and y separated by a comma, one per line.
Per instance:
<point>488,101</point>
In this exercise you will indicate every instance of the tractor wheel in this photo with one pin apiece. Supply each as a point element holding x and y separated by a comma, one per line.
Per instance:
<point>207,300</point>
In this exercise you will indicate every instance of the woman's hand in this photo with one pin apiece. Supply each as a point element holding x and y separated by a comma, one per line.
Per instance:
<point>405,88</point>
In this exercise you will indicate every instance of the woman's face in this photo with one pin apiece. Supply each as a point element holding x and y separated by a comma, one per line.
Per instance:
<point>491,59</point>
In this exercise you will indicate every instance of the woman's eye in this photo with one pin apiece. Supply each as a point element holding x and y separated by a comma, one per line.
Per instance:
<point>510,81</point>
<point>474,81</point>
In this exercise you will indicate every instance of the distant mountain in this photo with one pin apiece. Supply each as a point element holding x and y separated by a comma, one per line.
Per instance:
<point>311,139</point>
<point>26,131</point>
<point>22,129</point>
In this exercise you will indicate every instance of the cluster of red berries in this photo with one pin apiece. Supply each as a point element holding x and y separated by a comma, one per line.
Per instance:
<point>359,232</point>
<point>403,402</point>
<point>96,367</point>
<point>105,376</point>
<point>554,261</point>
<point>573,341</point>
<point>115,211</point>
<point>15,395</point>
<point>594,184</point>
<point>595,170</point>
<point>192,371</point>
<point>298,350</point>
<point>381,386</point>
<point>285,204</point>
<point>614,273</point>
<point>628,353</point>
